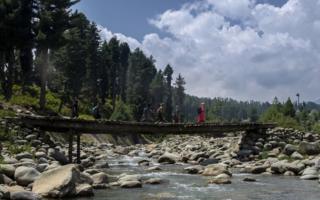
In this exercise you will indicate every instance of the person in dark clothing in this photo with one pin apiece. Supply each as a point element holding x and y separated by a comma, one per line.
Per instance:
<point>96,111</point>
<point>160,111</point>
<point>147,114</point>
<point>75,108</point>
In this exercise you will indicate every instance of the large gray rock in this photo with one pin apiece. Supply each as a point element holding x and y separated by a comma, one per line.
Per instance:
<point>310,173</point>
<point>296,156</point>
<point>170,158</point>
<point>194,169</point>
<point>24,155</point>
<point>309,148</point>
<point>24,195</point>
<point>5,180</point>
<point>25,175</point>
<point>65,181</point>
<point>220,179</point>
<point>258,169</point>
<point>283,166</point>
<point>289,149</point>
<point>131,184</point>
<point>58,156</point>
<point>216,169</point>
<point>100,178</point>
<point>8,170</point>
<point>4,193</point>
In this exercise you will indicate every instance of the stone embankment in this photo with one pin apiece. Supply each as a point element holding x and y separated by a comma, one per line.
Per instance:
<point>44,172</point>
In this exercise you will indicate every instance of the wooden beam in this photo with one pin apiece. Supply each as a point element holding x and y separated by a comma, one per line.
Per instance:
<point>70,151</point>
<point>116,127</point>
<point>78,148</point>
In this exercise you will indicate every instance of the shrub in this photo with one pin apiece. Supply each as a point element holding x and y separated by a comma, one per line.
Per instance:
<point>122,112</point>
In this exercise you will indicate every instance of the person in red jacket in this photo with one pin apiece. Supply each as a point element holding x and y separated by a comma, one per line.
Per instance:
<point>201,114</point>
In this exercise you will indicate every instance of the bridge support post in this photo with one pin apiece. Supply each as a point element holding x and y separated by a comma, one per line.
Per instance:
<point>78,148</point>
<point>70,146</point>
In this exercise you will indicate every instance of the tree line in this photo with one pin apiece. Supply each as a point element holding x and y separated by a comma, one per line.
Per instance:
<point>46,43</point>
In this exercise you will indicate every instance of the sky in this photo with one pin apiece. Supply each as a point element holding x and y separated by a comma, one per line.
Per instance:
<point>243,49</point>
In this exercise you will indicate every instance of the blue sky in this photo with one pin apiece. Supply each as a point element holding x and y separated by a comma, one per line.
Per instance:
<point>243,49</point>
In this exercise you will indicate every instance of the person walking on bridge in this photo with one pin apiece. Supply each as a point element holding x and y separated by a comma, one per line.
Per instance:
<point>201,114</point>
<point>160,113</point>
<point>75,108</point>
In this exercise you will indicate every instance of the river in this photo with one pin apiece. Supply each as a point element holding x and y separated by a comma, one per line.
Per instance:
<point>179,185</point>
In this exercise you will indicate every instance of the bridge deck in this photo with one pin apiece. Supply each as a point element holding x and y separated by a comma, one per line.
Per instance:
<point>56,124</point>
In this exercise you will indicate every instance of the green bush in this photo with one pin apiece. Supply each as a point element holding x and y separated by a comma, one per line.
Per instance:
<point>122,112</point>
<point>274,115</point>
<point>316,128</point>
<point>14,149</point>
<point>6,113</point>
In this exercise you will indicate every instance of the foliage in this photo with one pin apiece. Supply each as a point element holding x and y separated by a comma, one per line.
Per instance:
<point>6,113</point>
<point>316,128</point>
<point>275,114</point>
<point>14,149</point>
<point>122,112</point>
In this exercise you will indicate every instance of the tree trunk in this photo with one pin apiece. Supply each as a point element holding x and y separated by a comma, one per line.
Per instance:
<point>44,61</point>
<point>26,66</point>
<point>6,74</point>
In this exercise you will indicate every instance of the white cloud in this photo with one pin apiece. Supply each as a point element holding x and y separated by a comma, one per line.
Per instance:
<point>239,49</point>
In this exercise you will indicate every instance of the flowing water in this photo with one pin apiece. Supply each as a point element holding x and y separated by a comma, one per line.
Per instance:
<point>180,185</point>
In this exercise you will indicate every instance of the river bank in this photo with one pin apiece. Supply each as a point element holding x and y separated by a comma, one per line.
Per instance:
<point>177,167</point>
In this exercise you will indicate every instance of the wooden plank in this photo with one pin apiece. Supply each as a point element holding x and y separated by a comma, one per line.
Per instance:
<point>70,151</point>
<point>118,127</point>
<point>78,148</point>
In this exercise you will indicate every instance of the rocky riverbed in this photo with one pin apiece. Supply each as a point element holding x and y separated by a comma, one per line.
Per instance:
<point>239,162</point>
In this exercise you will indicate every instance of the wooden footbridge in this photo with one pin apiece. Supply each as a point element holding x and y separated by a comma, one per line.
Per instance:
<point>77,127</point>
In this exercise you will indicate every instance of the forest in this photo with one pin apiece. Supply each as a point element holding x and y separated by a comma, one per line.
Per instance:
<point>51,54</point>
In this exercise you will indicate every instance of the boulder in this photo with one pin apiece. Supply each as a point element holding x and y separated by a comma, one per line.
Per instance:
<point>131,184</point>
<point>154,181</point>
<point>216,169</point>
<point>170,158</point>
<point>258,169</point>
<point>5,180</point>
<point>220,179</point>
<point>65,181</point>
<point>296,156</point>
<point>24,155</point>
<point>281,167</point>
<point>310,173</point>
<point>7,169</point>
<point>194,169</point>
<point>289,149</point>
<point>100,178</point>
<point>249,179</point>
<point>309,148</point>
<point>58,156</point>
<point>24,195</point>
<point>26,175</point>
<point>4,192</point>
<point>84,190</point>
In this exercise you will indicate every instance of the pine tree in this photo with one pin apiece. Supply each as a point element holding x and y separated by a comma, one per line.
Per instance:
<point>180,94</point>
<point>168,71</point>
<point>53,20</point>
<point>157,89</point>
<point>288,109</point>
<point>71,58</point>
<point>104,71</point>
<point>140,74</point>
<point>92,62</point>
<point>114,70</point>
<point>124,63</point>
